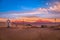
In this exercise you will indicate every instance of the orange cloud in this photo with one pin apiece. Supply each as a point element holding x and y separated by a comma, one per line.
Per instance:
<point>34,19</point>
<point>30,19</point>
<point>3,19</point>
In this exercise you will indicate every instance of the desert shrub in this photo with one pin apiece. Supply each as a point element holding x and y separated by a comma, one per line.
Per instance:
<point>34,27</point>
<point>57,28</point>
<point>58,25</point>
<point>52,26</point>
<point>43,26</point>
<point>28,25</point>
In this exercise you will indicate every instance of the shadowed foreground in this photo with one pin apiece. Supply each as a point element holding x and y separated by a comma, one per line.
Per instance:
<point>29,34</point>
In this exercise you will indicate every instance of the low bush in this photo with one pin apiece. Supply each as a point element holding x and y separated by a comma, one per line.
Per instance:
<point>43,26</point>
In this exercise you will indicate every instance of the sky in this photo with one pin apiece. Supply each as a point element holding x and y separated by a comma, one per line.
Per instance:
<point>19,9</point>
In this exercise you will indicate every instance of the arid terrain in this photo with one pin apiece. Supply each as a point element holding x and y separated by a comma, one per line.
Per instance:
<point>16,33</point>
<point>28,32</point>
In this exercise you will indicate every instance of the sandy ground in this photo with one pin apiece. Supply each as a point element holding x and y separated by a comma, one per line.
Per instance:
<point>29,34</point>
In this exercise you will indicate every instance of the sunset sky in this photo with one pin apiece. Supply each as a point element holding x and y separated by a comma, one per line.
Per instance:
<point>30,10</point>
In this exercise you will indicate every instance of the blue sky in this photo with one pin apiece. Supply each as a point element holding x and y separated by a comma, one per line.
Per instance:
<point>8,7</point>
<point>16,5</point>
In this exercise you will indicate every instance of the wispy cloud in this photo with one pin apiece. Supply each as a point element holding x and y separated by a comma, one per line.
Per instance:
<point>52,12</point>
<point>55,8</point>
